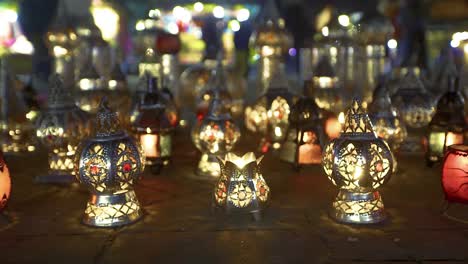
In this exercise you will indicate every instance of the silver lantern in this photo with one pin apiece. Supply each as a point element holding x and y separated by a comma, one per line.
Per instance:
<point>109,164</point>
<point>358,162</point>
<point>60,127</point>
<point>241,187</point>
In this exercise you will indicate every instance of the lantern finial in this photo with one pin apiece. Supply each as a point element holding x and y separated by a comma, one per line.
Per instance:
<point>59,96</point>
<point>107,121</point>
<point>357,120</point>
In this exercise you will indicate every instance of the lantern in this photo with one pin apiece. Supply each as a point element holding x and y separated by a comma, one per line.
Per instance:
<point>108,164</point>
<point>5,182</point>
<point>215,135</point>
<point>241,187</point>
<point>448,125</point>
<point>386,120</point>
<point>60,127</point>
<point>358,162</point>
<point>153,129</point>
<point>412,100</point>
<point>269,115</point>
<point>306,134</point>
<point>117,80</point>
<point>271,42</point>
<point>324,86</point>
<point>454,174</point>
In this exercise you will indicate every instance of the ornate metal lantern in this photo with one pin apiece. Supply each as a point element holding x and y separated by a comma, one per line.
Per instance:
<point>412,101</point>
<point>306,134</point>
<point>5,182</point>
<point>271,41</point>
<point>153,128</point>
<point>241,187</point>
<point>358,162</point>
<point>448,125</point>
<point>215,135</point>
<point>386,120</point>
<point>60,127</point>
<point>269,115</point>
<point>108,164</point>
<point>454,174</point>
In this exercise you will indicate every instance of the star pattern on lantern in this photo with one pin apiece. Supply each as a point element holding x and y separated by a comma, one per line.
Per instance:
<point>351,165</point>
<point>96,168</point>
<point>127,165</point>
<point>379,166</point>
<point>327,161</point>
<point>241,195</point>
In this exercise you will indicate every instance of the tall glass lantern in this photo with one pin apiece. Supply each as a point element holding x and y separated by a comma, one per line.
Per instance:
<point>214,136</point>
<point>60,127</point>
<point>358,162</point>
<point>108,164</point>
<point>271,41</point>
<point>448,126</point>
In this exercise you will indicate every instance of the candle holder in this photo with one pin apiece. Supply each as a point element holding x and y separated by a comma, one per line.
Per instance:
<point>109,164</point>
<point>358,163</point>
<point>60,127</point>
<point>215,135</point>
<point>448,125</point>
<point>241,187</point>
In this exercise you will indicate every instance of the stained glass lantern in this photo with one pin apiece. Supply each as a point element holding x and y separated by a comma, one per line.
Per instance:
<point>306,134</point>
<point>454,174</point>
<point>108,164</point>
<point>325,86</point>
<point>214,136</point>
<point>358,162</point>
<point>448,125</point>
<point>153,128</point>
<point>271,41</point>
<point>386,119</point>
<point>269,115</point>
<point>5,183</point>
<point>413,101</point>
<point>241,187</point>
<point>60,127</point>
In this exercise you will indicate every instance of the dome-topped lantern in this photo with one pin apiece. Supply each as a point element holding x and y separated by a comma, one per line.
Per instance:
<point>60,127</point>
<point>109,164</point>
<point>271,41</point>
<point>358,162</point>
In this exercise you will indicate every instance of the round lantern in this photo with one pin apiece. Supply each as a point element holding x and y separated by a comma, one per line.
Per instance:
<point>109,164</point>
<point>454,174</point>
<point>215,135</point>
<point>241,187</point>
<point>5,182</point>
<point>448,125</point>
<point>306,134</point>
<point>60,127</point>
<point>412,101</point>
<point>358,162</point>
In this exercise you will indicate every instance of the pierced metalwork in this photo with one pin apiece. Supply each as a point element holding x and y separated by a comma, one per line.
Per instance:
<point>109,164</point>
<point>358,162</point>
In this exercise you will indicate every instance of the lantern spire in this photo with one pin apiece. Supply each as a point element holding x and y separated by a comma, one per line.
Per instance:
<point>107,122</point>
<point>357,120</point>
<point>59,96</point>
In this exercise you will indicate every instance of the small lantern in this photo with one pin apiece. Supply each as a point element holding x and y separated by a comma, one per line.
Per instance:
<point>448,125</point>
<point>109,164</point>
<point>60,128</point>
<point>325,87</point>
<point>386,120</point>
<point>306,134</point>
<point>153,129</point>
<point>241,187</point>
<point>215,135</point>
<point>5,182</point>
<point>269,115</point>
<point>454,174</point>
<point>89,85</point>
<point>358,162</point>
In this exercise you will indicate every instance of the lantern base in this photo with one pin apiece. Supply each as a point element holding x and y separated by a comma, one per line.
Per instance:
<point>208,166</point>
<point>55,178</point>
<point>111,210</point>
<point>358,207</point>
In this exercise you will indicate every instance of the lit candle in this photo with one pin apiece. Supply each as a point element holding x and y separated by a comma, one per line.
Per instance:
<point>149,143</point>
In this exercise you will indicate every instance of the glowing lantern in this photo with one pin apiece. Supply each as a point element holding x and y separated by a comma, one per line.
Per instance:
<point>306,134</point>
<point>358,162</point>
<point>60,127</point>
<point>109,164</point>
<point>5,182</point>
<point>214,136</point>
<point>269,115</point>
<point>454,174</point>
<point>241,187</point>
<point>325,86</point>
<point>448,125</point>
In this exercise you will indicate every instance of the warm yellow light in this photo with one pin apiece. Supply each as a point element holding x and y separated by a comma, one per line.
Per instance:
<point>325,31</point>
<point>278,132</point>
<point>149,144</point>
<point>267,51</point>
<point>344,20</point>
<point>243,15</point>
<point>341,118</point>
<point>240,162</point>
<point>324,81</point>
<point>453,138</point>
<point>140,25</point>
<point>86,84</point>
<point>218,12</point>
<point>198,6</point>
<point>107,20</point>
<point>22,46</point>
<point>31,115</point>
<point>392,44</point>
<point>60,51</point>
<point>112,84</point>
